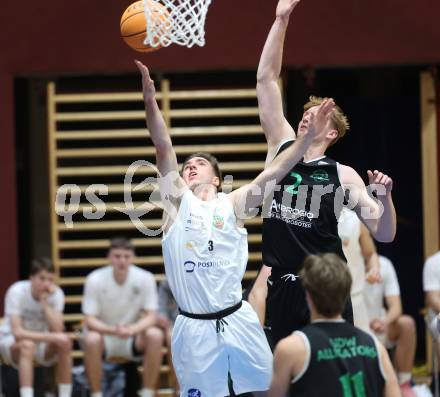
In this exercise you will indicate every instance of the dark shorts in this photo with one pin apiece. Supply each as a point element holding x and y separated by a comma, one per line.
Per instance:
<point>287,309</point>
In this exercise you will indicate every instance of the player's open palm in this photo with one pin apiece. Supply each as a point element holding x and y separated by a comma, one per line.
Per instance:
<point>317,122</point>
<point>323,114</point>
<point>285,7</point>
<point>147,83</point>
<point>379,178</point>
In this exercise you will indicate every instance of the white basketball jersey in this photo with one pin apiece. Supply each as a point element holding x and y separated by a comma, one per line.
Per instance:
<point>205,255</point>
<point>349,230</point>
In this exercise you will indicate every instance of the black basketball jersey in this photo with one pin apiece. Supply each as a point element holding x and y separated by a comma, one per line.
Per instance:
<point>344,362</point>
<point>302,217</point>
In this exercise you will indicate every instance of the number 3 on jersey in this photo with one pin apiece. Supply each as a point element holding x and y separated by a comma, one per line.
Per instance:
<point>210,245</point>
<point>292,189</point>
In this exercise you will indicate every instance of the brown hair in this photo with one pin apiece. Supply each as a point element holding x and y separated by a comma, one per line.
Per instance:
<point>42,263</point>
<point>121,243</point>
<point>328,281</point>
<point>211,159</point>
<point>338,118</point>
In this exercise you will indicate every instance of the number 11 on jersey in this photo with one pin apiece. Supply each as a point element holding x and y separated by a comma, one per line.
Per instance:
<point>350,382</point>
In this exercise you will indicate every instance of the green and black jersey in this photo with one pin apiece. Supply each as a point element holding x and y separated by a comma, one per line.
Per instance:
<point>342,361</point>
<point>299,220</point>
<point>302,217</point>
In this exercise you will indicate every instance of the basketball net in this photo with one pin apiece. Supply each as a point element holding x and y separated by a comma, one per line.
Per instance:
<point>179,22</point>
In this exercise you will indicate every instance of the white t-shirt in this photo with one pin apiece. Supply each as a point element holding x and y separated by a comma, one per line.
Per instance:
<point>19,301</point>
<point>374,294</point>
<point>115,303</point>
<point>431,273</point>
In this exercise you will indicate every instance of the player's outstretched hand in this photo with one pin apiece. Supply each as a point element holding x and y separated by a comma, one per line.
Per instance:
<point>379,178</point>
<point>285,7</point>
<point>323,114</point>
<point>147,84</point>
<point>315,123</point>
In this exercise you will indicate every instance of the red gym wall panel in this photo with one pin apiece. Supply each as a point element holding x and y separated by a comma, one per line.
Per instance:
<point>8,232</point>
<point>82,36</point>
<point>437,99</point>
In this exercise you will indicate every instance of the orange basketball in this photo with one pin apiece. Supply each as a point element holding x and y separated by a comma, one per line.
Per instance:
<point>133,24</point>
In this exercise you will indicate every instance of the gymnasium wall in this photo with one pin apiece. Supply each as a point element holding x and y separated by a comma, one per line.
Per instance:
<point>437,92</point>
<point>8,226</point>
<point>82,37</point>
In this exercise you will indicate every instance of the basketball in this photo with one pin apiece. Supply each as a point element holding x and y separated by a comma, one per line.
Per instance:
<point>133,24</point>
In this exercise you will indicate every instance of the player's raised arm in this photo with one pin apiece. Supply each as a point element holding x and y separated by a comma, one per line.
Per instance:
<point>165,155</point>
<point>378,215</point>
<point>275,125</point>
<point>171,184</point>
<point>248,197</point>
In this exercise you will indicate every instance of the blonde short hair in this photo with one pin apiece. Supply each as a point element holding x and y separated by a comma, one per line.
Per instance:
<point>338,118</point>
